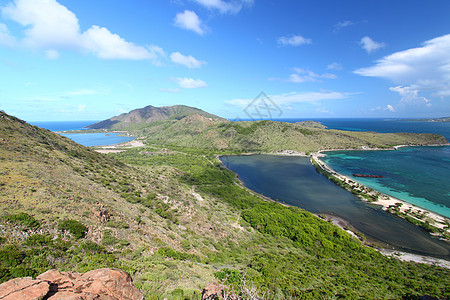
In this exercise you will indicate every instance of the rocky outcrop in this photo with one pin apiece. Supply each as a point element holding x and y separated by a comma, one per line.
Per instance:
<point>24,288</point>
<point>101,284</point>
<point>214,291</point>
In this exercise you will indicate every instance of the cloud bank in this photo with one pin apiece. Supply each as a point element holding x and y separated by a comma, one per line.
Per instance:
<point>190,83</point>
<point>51,27</point>
<point>418,70</point>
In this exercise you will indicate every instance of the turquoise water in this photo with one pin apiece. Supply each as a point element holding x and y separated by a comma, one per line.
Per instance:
<point>85,139</point>
<point>294,180</point>
<point>418,175</point>
<point>98,139</point>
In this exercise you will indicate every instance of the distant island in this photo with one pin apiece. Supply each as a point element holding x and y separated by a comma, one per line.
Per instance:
<point>444,119</point>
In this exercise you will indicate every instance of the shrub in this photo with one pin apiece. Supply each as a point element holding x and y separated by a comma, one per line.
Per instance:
<point>108,239</point>
<point>10,256</point>
<point>75,228</point>
<point>92,247</point>
<point>22,271</point>
<point>117,224</point>
<point>22,219</point>
<point>37,240</point>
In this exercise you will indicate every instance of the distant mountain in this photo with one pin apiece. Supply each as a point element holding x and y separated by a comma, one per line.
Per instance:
<point>444,119</point>
<point>141,118</point>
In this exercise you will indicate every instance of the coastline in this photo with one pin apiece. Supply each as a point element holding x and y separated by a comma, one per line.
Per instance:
<point>412,213</point>
<point>343,224</point>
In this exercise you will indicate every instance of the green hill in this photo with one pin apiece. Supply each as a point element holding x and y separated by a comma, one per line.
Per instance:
<point>176,220</point>
<point>273,136</point>
<point>140,118</point>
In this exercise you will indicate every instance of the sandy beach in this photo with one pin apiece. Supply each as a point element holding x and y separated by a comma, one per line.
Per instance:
<point>117,148</point>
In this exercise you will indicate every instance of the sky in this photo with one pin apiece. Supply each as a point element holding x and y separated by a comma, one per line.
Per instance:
<point>91,60</point>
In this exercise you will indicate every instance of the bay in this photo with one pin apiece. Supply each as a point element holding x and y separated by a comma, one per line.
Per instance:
<point>417,175</point>
<point>294,180</point>
<point>98,139</point>
<point>85,139</point>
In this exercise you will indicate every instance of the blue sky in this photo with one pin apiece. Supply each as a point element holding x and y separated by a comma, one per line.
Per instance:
<point>90,60</point>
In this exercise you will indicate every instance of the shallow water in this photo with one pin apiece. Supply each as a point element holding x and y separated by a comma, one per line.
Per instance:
<point>417,175</point>
<point>98,139</point>
<point>294,180</point>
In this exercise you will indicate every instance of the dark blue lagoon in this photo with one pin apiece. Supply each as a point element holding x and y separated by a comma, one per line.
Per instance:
<point>417,175</point>
<point>294,180</point>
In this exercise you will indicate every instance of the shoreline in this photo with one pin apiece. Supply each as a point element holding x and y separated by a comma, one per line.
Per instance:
<point>401,208</point>
<point>342,223</point>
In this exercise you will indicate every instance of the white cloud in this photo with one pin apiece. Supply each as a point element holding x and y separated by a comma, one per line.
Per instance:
<point>187,61</point>
<point>293,98</point>
<point>424,69</point>
<point>107,45</point>
<point>224,7</point>
<point>48,23</point>
<point>82,107</point>
<point>190,21</point>
<point>342,25</point>
<point>293,40</point>
<point>301,76</point>
<point>410,95</point>
<point>390,108</point>
<point>189,83</point>
<point>51,27</point>
<point>334,66</point>
<point>370,45</point>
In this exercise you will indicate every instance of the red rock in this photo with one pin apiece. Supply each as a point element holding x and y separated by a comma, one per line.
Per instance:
<point>24,288</point>
<point>101,284</point>
<point>214,291</point>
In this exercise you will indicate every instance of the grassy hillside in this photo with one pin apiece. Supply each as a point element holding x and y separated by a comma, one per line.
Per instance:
<point>140,118</point>
<point>176,220</point>
<point>273,136</point>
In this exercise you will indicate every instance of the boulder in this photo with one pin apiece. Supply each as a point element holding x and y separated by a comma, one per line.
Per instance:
<point>101,284</point>
<point>24,288</point>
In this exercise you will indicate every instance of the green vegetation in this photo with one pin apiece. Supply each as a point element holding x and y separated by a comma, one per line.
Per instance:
<point>175,219</point>
<point>267,136</point>
<point>22,219</point>
<point>75,228</point>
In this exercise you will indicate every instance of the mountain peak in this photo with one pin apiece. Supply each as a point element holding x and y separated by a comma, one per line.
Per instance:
<point>140,118</point>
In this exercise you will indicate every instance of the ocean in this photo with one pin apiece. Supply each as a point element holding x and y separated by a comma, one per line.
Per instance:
<point>85,139</point>
<point>381,125</point>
